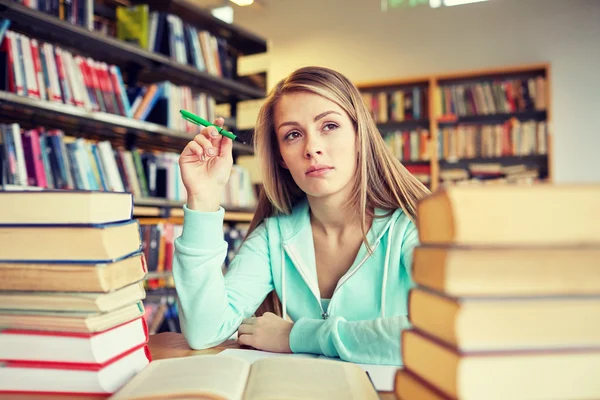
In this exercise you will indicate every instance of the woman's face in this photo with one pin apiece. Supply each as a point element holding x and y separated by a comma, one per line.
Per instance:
<point>317,142</point>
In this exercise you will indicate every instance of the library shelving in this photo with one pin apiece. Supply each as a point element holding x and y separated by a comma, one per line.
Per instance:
<point>481,126</point>
<point>82,107</point>
<point>75,37</point>
<point>148,208</point>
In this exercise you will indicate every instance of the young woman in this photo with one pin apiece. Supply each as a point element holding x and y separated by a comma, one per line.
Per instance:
<point>332,236</point>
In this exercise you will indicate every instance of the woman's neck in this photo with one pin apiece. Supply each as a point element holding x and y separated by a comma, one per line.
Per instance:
<point>332,216</point>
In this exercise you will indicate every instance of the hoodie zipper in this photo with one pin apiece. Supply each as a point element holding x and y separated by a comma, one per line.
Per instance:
<point>348,276</point>
<point>324,314</point>
<point>298,266</point>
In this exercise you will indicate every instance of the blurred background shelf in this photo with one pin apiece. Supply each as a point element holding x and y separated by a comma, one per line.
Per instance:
<point>133,59</point>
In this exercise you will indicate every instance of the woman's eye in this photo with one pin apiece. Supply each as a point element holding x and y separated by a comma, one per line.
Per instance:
<point>291,135</point>
<point>330,126</point>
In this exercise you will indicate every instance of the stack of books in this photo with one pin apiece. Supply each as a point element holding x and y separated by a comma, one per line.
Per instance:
<point>507,297</point>
<point>71,291</point>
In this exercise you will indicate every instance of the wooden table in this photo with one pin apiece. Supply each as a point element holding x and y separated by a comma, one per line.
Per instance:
<point>162,345</point>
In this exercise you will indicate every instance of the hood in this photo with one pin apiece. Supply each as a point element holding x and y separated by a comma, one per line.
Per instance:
<point>295,228</point>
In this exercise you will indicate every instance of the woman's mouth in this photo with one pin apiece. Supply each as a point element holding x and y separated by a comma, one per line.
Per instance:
<point>318,170</point>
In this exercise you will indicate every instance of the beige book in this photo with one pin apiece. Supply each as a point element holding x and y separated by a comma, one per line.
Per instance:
<point>507,324</point>
<point>224,377</point>
<point>515,271</point>
<point>96,243</point>
<point>511,215</point>
<point>70,321</point>
<point>64,207</point>
<point>73,301</point>
<point>523,375</point>
<point>72,277</point>
<point>407,386</point>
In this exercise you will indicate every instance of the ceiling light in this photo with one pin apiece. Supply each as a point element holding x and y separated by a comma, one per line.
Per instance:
<point>242,2</point>
<point>449,3</point>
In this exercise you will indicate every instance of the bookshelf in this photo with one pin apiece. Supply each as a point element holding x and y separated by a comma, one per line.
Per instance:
<point>149,65</point>
<point>479,126</point>
<point>138,66</point>
<point>88,127</point>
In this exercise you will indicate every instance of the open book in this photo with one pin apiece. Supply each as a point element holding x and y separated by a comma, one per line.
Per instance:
<point>232,378</point>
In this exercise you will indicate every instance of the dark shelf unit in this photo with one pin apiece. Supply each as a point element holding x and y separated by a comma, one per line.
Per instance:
<point>495,118</point>
<point>387,127</point>
<point>53,115</point>
<point>151,66</point>
<point>536,159</point>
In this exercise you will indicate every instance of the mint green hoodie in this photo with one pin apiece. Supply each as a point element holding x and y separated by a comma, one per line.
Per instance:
<point>368,308</point>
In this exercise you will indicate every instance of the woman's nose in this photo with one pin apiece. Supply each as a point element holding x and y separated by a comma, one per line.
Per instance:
<point>313,147</point>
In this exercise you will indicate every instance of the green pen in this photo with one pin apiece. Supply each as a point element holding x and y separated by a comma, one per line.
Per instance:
<point>194,119</point>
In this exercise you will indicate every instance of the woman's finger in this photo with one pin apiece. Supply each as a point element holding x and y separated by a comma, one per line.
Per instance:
<point>213,134</point>
<point>249,321</point>
<point>192,152</point>
<point>246,340</point>
<point>246,329</point>
<point>208,149</point>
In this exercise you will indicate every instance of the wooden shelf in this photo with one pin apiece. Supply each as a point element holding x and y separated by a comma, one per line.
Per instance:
<point>494,118</point>
<point>69,118</point>
<point>111,50</point>
<point>147,209</point>
<point>536,159</point>
<point>435,123</point>
<point>403,125</point>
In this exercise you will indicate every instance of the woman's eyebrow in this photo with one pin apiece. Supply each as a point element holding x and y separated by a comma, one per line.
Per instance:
<point>318,117</point>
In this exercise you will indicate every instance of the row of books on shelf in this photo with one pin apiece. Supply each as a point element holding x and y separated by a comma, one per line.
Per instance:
<point>397,105</point>
<point>161,314</point>
<point>484,305</point>
<point>71,292</point>
<point>492,97</point>
<point>409,145</point>
<point>49,159</point>
<point>467,141</point>
<point>155,31</point>
<point>491,173</point>
<point>451,101</point>
<point>43,71</point>
<point>512,138</point>
<point>157,244</point>
<point>169,35</point>
<point>158,248</point>
<point>77,12</point>
<point>160,103</point>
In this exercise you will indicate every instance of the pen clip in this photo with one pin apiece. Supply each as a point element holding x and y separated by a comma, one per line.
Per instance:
<point>189,119</point>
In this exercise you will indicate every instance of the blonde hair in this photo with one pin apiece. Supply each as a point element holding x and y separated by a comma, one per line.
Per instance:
<point>381,180</point>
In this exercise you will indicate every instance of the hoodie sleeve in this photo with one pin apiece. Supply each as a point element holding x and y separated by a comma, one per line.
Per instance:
<point>370,342</point>
<point>211,305</point>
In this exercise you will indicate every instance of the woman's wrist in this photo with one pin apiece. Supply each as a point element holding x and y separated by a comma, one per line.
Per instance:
<point>203,204</point>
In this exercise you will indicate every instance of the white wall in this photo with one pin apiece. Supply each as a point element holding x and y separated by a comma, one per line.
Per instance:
<point>356,38</point>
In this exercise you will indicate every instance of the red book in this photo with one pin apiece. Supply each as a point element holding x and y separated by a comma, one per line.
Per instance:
<point>7,47</point>
<point>34,162</point>
<point>68,378</point>
<point>75,348</point>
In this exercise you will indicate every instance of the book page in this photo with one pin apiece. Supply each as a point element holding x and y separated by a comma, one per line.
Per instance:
<point>382,376</point>
<point>302,378</point>
<point>196,377</point>
<point>254,355</point>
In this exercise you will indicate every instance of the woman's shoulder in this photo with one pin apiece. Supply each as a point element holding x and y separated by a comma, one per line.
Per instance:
<point>398,221</point>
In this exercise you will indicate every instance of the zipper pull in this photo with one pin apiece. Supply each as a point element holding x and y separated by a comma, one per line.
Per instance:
<point>325,315</point>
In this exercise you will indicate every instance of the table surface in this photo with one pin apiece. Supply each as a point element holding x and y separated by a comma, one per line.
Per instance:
<point>162,345</point>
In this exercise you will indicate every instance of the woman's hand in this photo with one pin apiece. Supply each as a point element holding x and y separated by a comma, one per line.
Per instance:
<point>205,168</point>
<point>268,333</point>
